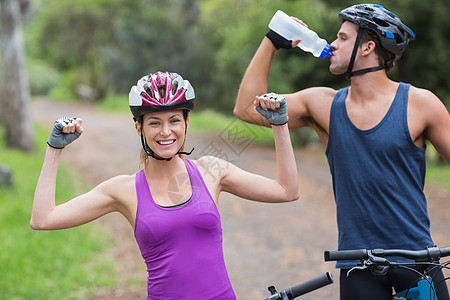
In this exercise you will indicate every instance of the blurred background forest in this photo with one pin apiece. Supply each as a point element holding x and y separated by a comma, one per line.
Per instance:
<point>104,45</point>
<point>96,49</point>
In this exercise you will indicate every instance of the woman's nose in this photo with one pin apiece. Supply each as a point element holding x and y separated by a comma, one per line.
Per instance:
<point>165,130</point>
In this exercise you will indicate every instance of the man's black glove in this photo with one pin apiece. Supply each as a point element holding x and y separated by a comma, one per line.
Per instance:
<point>278,41</point>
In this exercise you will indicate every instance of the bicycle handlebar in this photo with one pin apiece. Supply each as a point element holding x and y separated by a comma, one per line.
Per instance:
<point>302,288</point>
<point>429,254</point>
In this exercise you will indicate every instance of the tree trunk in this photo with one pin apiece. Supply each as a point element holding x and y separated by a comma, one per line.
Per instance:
<point>15,114</point>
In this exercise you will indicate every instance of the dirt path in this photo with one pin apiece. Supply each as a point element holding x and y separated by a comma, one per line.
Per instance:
<point>264,244</point>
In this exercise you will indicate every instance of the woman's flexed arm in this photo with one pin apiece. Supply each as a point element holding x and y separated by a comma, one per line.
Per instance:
<point>258,188</point>
<point>44,195</point>
<point>45,214</point>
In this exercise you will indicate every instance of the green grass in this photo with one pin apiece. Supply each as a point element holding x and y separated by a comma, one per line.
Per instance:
<point>440,175</point>
<point>66,264</point>
<point>211,122</point>
<point>116,104</point>
<point>437,172</point>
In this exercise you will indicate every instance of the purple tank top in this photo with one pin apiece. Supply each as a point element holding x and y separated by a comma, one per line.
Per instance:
<point>182,246</point>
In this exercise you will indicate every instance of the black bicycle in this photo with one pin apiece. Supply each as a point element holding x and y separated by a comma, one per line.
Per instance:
<point>425,261</point>
<point>301,289</point>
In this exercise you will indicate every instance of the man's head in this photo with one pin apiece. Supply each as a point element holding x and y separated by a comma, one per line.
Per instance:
<point>381,26</point>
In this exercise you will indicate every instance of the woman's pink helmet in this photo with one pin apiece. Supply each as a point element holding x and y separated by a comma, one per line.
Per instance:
<point>161,91</point>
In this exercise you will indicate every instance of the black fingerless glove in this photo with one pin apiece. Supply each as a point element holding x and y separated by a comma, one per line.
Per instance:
<point>275,117</point>
<point>278,41</point>
<point>59,139</point>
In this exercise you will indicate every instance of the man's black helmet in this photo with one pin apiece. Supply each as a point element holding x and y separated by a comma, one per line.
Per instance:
<point>394,35</point>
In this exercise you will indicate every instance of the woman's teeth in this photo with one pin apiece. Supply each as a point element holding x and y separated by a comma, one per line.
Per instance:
<point>166,142</point>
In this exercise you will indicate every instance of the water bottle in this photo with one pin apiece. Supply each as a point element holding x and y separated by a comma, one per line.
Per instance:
<point>291,30</point>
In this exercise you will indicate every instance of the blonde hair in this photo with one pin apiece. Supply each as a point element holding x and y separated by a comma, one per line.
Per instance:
<point>144,158</point>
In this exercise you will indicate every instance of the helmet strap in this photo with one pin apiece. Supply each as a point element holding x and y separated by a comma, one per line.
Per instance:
<point>351,73</point>
<point>149,151</point>
<point>182,152</point>
<point>186,153</point>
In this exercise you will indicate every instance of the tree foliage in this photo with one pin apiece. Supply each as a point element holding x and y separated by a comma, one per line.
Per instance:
<point>15,114</point>
<point>109,44</point>
<point>68,34</point>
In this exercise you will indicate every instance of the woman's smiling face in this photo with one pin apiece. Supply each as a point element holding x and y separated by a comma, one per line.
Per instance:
<point>165,132</point>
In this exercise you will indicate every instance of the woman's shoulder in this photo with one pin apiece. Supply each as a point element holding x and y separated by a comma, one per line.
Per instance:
<point>121,190</point>
<point>212,166</point>
<point>209,161</point>
<point>118,184</point>
<point>120,179</point>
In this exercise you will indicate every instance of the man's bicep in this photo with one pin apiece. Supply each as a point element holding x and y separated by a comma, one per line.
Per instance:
<point>310,107</point>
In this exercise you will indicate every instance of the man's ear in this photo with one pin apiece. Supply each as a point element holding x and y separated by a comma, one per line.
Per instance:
<point>368,48</point>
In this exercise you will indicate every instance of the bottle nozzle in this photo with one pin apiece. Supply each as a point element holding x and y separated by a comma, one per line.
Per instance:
<point>326,51</point>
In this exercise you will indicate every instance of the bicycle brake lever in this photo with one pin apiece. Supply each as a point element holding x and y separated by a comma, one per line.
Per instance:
<point>377,265</point>
<point>359,267</point>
